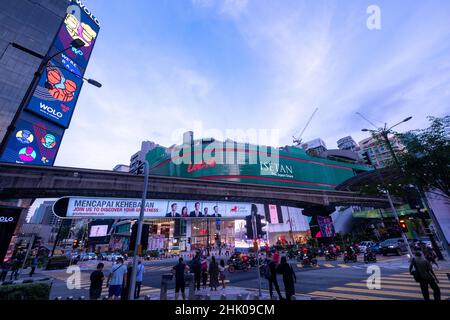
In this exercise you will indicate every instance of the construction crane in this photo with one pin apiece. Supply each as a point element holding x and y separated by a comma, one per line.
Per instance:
<point>298,141</point>
<point>359,114</point>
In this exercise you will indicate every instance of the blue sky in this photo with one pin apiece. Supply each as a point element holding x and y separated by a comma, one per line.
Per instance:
<point>171,66</point>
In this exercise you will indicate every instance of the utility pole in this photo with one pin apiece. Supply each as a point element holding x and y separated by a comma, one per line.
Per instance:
<point>255,239</point>
<point>139,233</point>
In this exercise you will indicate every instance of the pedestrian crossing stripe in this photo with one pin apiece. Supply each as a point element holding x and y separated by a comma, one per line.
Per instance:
<point>410,283</point>
<point>345,296</point>
<point>396,287</point>
<point>328,265</point>
<point>381,292</point>
<point>343,266</point>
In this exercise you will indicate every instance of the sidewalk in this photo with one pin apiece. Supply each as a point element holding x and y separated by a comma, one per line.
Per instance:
<point>229,293</point>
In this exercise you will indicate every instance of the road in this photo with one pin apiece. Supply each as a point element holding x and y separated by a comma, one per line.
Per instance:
<point>330,279</point>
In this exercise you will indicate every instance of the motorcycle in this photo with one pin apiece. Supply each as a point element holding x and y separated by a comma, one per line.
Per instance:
<point>309,261</point>
<point>330,255</point>
<point>369,256</point>
<point>236,264</point>
<point>350,257</point>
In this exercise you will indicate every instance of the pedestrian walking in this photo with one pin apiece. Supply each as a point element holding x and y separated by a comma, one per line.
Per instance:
<point>289,277</point>
<point>34,264</point>
<point>139,278</point>
<point>423,273</point>
<point>222,273</point>
<point>213,274</point>
<point>271,275</point>
<point>97,277</point>
<point>195,267</point>
<point>15,269</point>
<point>204,273</point>
<point>430,255</point>
<point>5,269</point>
<point>116,279</point>
<point>180,284</point>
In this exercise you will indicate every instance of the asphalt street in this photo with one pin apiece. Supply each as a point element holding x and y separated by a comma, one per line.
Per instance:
<point>330,279</point>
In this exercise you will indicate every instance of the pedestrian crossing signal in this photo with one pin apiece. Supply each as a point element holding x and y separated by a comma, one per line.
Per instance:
<point>259,226</point>
<point>249,227</point>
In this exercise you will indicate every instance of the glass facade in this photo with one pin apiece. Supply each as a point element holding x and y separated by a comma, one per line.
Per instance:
<point>30,24</point>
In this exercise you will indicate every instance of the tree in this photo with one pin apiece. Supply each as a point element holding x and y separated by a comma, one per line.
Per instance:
<point>427,158</point>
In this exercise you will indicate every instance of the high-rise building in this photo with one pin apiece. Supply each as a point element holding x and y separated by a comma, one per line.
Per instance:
<point>378,151</point>
<point>39,213</point>
<point>318,145</point>
<point>31,25</point>
<point>138,158</point>
<point>347,143</point>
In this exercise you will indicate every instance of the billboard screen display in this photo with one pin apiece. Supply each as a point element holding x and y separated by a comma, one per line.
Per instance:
<point>58,89</point>
<point>34,141</point>
<point>98,231</point>
<point>101,208</point>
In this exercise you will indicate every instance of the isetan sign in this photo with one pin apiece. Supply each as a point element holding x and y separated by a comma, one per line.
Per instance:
<point>115,208</point>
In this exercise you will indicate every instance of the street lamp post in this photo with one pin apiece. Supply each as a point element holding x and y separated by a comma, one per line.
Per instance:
<point>384,132</point>
<point>139,233</point>
<point>77,43</point>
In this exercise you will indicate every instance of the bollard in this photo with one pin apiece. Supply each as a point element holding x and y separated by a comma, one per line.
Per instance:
<point>293,298</point>
<point>208,297</point>
<point>240,297</point>
<point>105,298</point>
<point>190,283</point>
<point>82,298</point>
<point>69,298</point>
<point>256,297</point>
<point>147,297</point>
<point>58,298</point>
<point>223,297</point>
<point>165,278</point>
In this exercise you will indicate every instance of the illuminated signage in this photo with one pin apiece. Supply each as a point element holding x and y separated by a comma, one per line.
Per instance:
<point>34,141</point>
<point>102,208</point>
<point>58,89</point>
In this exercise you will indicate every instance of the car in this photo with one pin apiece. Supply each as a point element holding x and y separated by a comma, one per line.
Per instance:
<point>92,256</point>
<point>375,247</point>
<point>363,245</point>
<point>394,245</point>
<point>115,256</point>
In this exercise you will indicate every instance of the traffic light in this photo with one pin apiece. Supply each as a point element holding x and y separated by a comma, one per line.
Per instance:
<point>249,227</point>
<point>366,158</point>
<point>259,225</point>
<point>75,244</point>
<point>403,225</point>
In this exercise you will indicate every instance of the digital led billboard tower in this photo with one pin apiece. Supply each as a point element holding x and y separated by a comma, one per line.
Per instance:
<point>47,109</point>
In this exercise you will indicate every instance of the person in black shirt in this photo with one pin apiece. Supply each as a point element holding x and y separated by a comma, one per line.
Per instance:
<point>97,277</point>
<point>289,277</point>
<point>180,283</point>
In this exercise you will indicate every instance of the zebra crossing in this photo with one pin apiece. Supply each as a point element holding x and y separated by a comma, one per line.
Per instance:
<point>389,266</point>
<point>393,287</point>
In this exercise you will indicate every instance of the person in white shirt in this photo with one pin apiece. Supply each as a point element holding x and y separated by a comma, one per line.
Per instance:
<point>139,277</point>
<point>116,279</point>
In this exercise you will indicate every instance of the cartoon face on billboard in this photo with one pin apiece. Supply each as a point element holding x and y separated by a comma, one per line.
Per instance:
<point>77,25</point>
<point>57,93</point>
<point>80,30</point>
<point>60,88</point>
